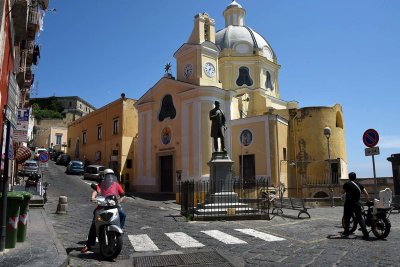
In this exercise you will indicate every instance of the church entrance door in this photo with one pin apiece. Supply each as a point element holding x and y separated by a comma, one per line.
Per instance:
<point>247,169</point>
<point>166,174</point>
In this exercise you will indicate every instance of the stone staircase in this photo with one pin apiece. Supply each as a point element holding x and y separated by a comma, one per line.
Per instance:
<point>224,203</point>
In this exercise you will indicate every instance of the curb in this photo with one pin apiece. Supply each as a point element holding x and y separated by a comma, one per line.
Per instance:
<point>62,258</point>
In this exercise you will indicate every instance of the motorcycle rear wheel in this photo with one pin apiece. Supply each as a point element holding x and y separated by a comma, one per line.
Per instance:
<point>352,225</point>
<point>113,247</point>
<point>381,227</point>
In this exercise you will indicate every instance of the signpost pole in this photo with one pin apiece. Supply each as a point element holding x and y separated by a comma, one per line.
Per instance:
<point>371,139</point>
<point>375,181</point>
<point>43,158</point>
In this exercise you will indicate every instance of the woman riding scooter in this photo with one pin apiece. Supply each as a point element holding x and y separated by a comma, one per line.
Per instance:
<point>108,186</point>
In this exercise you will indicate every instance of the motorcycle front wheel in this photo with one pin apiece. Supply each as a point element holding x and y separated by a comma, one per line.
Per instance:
<point>110,245</point>
<point>381,227</point>
<point>352,225</point>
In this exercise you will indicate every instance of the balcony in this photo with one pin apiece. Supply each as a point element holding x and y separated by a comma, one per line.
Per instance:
<point>34,21</point>
<point>28,51</point>
<point>19,14</point>
<point>20,68</point>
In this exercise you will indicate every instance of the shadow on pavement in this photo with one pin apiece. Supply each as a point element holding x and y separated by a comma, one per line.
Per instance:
<point>154,196</point>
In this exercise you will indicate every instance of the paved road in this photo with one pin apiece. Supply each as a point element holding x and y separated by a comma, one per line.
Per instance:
<point>155,228</point>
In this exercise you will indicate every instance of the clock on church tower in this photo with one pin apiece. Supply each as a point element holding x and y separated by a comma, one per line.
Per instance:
<point>197,60</point>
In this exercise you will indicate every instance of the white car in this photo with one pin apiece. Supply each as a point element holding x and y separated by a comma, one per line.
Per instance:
<point>38,151</point>
<point>93,172</point>
<point>29,167</point>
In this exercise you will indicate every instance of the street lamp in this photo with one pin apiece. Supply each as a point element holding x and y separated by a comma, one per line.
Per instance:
<point>327,133</point>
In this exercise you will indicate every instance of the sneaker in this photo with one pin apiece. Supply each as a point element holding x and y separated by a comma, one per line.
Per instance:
<point>345,234</point>
<point>85,249</point>
<point>365,235</point>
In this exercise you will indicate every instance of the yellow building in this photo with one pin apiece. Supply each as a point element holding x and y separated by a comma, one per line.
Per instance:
<point>50,133</point>
<point>106,137</point>
<point>275,139</point>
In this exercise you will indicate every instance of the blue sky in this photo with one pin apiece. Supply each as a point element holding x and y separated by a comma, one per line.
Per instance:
<point>345,52</point>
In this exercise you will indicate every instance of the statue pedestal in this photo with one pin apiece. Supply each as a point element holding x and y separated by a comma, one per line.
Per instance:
<point>221,184</point>
<point>220,172</point>
<point>222,201</point>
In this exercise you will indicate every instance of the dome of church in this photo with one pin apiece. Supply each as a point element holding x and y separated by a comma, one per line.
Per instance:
<point>239,37</point>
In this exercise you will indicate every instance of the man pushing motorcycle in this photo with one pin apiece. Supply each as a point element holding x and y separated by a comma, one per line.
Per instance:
<point>352,204</point>
<point>109,186</point>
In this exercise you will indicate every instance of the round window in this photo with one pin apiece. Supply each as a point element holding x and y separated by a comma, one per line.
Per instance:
<point>246,137</point>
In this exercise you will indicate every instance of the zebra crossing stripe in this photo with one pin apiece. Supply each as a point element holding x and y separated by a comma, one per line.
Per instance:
<point>183,240</point>
<point>261,235</point>
<point>142,243</point>
<point>224,238</point>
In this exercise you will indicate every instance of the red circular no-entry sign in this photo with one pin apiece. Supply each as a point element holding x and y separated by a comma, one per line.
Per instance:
<point>44,157</point>
<point>370,138</point>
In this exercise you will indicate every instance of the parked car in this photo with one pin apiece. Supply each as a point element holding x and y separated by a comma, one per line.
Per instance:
<point>75,167</point>
<point>55,155</point>
<point>93,172</point>
<point>63,159</point>
<point>38,151</point>
<point>29,167</point>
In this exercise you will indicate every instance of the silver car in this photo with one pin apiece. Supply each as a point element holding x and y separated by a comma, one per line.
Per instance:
<point>93,172</point>
<point>29,167</point>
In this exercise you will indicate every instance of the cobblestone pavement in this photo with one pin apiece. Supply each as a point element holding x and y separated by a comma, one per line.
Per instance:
<point>308,242</point>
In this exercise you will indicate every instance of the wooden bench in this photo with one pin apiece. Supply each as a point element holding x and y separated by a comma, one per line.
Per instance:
<point>290,203</point>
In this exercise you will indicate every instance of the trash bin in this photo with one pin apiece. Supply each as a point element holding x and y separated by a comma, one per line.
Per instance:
<point>13,202</point>
<point>23,216</point>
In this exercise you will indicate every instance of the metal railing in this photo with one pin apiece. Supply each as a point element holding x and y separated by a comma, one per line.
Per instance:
<point>245,200</point>
<point>326,180</point>
<point>33,17</point>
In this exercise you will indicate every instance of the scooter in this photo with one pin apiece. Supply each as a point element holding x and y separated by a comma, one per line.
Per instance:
<point>376,218</point>
<point>33,180</point>
<point>108,229</point>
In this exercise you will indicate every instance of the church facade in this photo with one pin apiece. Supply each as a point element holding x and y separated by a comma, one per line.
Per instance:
<point>266,136</point>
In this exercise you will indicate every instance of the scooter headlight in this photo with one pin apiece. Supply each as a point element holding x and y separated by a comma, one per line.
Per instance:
<point>106,216</point>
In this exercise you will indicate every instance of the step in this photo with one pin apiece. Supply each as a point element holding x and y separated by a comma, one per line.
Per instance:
<point>224,211</point>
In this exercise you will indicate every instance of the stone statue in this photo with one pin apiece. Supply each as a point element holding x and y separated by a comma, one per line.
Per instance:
<point>218,127</point>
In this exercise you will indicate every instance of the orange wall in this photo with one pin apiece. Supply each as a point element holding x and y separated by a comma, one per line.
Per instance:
<point>6,66</point>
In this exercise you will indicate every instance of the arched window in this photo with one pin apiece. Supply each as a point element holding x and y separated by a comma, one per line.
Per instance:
<point>167,108</point>
<point>268,82</point>
<point>339,120</point>
<point>244,77</point>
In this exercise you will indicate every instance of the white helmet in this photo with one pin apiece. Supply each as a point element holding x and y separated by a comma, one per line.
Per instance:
<point>108,171</point>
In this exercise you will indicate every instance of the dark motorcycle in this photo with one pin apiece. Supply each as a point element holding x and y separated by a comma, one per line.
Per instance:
<point>378,220</point>
<point>33,180</point>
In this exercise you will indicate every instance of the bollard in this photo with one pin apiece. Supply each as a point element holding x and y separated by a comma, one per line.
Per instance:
<point>62,205</point>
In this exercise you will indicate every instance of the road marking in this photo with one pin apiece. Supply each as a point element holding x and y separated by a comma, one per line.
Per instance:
<point>142,243</point>
<point>261,235</point>
<point>224,238</point>
<point>183,240</point>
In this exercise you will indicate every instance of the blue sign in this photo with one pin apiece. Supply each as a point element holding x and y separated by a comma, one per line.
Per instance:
<point>370,138</point>
<point>44,157</point>
<point>23,114</point>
